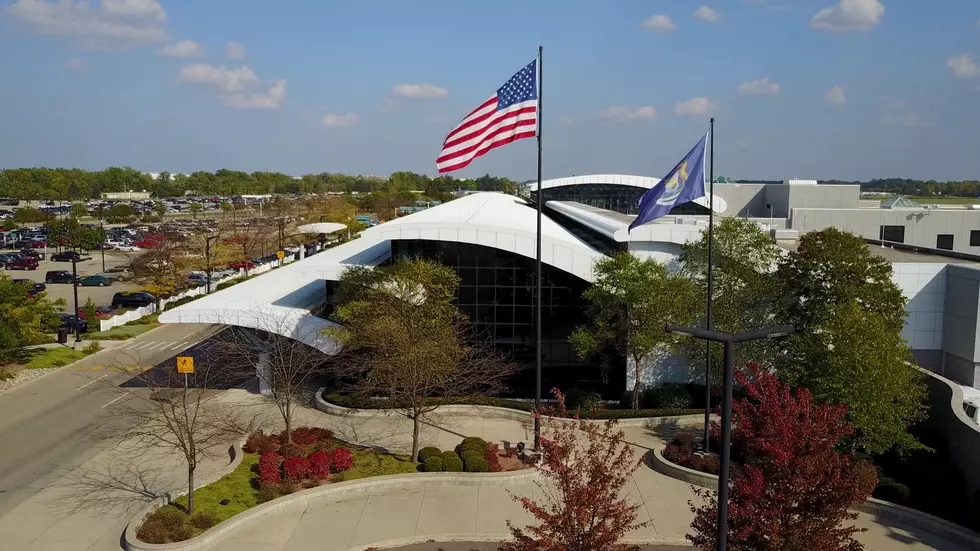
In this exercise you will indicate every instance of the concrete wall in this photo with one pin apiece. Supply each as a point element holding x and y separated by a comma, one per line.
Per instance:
<point>961,340</point>
<point>744,199</point>
<point>750,200</point>
<point>962,436</point>
<point>921,226</point>
<point>924,287</point>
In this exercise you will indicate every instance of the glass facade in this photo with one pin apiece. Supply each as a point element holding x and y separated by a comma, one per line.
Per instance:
<point>497,293</point>
<point>613,197</point>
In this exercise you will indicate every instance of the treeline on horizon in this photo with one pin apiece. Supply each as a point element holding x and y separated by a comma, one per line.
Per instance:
<point>77,184</point>
<point>922,188</point>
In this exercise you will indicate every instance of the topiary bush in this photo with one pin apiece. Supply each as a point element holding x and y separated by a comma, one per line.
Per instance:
<point>291,450</point>
<point>341,459</point>
<point>304,437</point>
<point>584,400</point>
<point>428,452</point>
<point>451,463</point>
<point>475,464</point>
<point>470,457</point>
<point>473,444</point>
<point>269,473</point>
<point>165,525</point>
<point>296,468</point>
<point>319,464</point>
<point>432,464</point>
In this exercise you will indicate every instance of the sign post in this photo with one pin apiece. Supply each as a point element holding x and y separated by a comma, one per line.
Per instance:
<point>280,255</point>
<point>185,365</point>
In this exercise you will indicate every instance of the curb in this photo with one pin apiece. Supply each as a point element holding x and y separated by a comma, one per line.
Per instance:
<point>485,412</point>
<point>329,491</point>
<point>493,538</point>
<point>934,525</point>
<point>61,368</point>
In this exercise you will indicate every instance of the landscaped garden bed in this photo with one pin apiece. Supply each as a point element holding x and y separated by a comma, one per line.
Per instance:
<point>473,455</point>
<point>270,468</point>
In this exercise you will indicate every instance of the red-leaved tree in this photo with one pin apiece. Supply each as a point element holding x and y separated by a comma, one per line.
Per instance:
<point>792,489</point>
<point>584,508</point>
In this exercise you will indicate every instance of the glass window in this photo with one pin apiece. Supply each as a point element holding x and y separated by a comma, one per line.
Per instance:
<point>975,238</point>
<point>944,241</point>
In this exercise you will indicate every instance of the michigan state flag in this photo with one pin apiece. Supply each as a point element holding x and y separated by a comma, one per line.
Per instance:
<point>682,185</point>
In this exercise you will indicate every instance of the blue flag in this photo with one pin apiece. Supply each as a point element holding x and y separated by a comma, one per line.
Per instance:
<point>682,185</point>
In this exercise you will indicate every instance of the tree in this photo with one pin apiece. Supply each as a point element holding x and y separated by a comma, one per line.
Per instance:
<point>195,209</point>
<point>839,293</point>
<point>160,267</point>
<point>227,207</point>
<point>78,210</point>
<point>120,213</point>
<point>160,208</point>
<point>31,214</point>
<point>23,318</point>
<point>629,303</point>
<point>792,489</point>
<point>184,413</point>
<point>245,242</point>
<point>746,292</point>
<point>91,310</point>
<point>585,507</point>
<point>404,339</point>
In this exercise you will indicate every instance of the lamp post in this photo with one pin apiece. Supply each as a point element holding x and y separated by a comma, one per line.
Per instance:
<point>102,246</point>
<point>207,257</point>
<point>74,284</point>
<point>729,340</point>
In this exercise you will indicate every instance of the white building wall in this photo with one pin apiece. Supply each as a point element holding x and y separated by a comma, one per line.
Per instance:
<point>924,286</point>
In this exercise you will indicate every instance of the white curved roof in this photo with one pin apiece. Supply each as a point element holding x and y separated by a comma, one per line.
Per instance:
<point>321,227</point>
<point>280,300</point>
<point>619,179</point>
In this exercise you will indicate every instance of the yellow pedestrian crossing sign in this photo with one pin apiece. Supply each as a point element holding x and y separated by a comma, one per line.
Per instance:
<point>280,255</point>
<point>185,364</point>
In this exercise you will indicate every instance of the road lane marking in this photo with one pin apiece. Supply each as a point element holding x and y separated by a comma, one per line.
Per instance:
<point>178,345</point>
<point>92,382</point>
<point>155,345</point>
<point>116,400</point>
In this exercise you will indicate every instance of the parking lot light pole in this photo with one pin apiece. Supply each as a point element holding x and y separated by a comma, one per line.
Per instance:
<point>74,284</point>
<point>102,246</point>
<point>729,341</point>
<point>207,255</point>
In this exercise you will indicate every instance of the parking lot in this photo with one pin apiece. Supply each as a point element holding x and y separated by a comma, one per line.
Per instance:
<point>102,296</point>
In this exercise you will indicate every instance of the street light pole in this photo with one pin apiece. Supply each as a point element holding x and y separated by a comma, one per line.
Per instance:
<point>102,246</point>
<point>74,284</point>
<point>729,341</point>
<point>207,256</point>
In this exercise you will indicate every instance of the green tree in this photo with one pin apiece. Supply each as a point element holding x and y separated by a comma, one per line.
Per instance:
<point>405,340</point>
<point>120,213</point>
<point>29,214</point>
<point>629,303</point>
<point>91,311</point>
<point>746,291</point>
<point>78,210</point>
<point>160,208</point>
<point>23,319</point>
<point>848,348</point>
<point>195,209</point>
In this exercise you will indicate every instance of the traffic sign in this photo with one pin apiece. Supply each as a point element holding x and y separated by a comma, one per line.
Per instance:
<point>185,364</point>
<point>280,255</point>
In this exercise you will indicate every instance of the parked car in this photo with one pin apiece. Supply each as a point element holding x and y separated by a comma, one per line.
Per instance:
<point>33,254</point>
<point>105,246</point>
<point>133,299</point>
<point>66,256</point>
<point>32,287</point>
<point>119,273</point>
<point>96,281</point>
<point>127,248</point>
<point>102,312</point>
<point>60,276</point>
<point>69,321</point>
<point>38,245</point>
<point>23,263</point>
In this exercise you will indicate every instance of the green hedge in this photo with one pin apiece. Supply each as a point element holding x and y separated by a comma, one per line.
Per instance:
<point>451,462</point>
<point>428,452</point>
<point>356,403</point>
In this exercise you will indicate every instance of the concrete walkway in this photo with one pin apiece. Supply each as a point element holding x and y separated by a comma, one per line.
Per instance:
<point>442,513</point>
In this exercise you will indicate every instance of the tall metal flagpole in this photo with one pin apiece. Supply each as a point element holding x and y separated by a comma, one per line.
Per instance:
<point>537,294</point>
<point>711,226</point>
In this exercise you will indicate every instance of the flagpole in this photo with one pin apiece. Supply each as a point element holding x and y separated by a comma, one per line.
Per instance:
<point>711,225</point>
<point>537,294</point>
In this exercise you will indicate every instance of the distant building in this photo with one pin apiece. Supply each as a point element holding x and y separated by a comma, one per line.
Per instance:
<point>126,195</point>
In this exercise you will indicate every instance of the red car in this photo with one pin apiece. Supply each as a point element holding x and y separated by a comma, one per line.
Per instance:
<point>26,263</point>
<point>38,245</point>
<point>241,265</point>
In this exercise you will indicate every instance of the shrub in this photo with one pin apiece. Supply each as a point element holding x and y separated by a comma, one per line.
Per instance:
<point>471,457</point>
<point>91,348</point>
<point>260,443</point>
<point>341,459</point>
<point>321,434</point>
<point>451,463</point>
<point>288,487</point>
<point>478,443</point>
<point>492,456</point>
<point>165,525</point>
<point>291,450</point>
<point>269,473</point>
<point>476,465</point>
<point>428,452</point>
<point>268,493</point>
<point>6,375</point>
<point>671,395</point>
<point>578,399</point>
<point>203,520</point>
<point>319,464</point>
<point>296,468</point>
<point>304,437</point>
<point>432,464</point>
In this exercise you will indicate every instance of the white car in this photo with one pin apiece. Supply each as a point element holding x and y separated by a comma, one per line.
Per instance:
<point>128,248</point>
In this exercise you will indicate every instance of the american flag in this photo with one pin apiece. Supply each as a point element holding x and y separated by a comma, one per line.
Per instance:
<point>509,115</point>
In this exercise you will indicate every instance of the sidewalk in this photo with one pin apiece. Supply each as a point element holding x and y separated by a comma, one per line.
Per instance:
<point>482,512</point>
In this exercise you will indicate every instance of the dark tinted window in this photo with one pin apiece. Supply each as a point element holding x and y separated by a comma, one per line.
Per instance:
<point>895,234</point>
<point>944,241</point>
<point>975,238</point>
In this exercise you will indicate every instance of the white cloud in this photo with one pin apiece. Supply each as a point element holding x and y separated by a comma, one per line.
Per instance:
<point>340,121</point>
<point>694,106</point>
<point>659,23</point>
<point>182,49</point>
<point>963,66</point>
<point>849,15</point>
<point>269,100</point>
<point>108,24</point>
<point>836,95</point>
<point>621,113</point>
<point>229,80</point>
<point>234,50</point>
<point>761,87</point>
<point>419,91</point>
<point>705,13</point>
<point>74,63</point>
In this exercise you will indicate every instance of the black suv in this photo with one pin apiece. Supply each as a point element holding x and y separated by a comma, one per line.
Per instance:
<point>66,256</point>
<point>60,276</point>
<point>33,288</point>
<point>69,321</point>
<point>139,298</point>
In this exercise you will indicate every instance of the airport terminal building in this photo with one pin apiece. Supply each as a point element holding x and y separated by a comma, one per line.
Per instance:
<point>489,239</point>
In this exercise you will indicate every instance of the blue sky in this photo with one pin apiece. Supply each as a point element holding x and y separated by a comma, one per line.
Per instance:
<point>855,89</point>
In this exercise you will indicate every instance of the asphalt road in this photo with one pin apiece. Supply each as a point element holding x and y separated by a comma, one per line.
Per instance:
<point>51,425</point>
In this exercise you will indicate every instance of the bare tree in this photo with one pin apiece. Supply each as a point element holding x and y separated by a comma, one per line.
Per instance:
<point>284,365</point>
<point>406,341</point>
<point>187,413</point>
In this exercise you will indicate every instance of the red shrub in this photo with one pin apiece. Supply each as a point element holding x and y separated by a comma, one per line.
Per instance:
<point>492,455</point>
<point>319,464</point>
<point>291,450</point>
<point>269,474</point>
<point>341,459</point>
<point>254,443</point>
<point>296,468</point>
<point>304,437</point>
<point>321,434</point>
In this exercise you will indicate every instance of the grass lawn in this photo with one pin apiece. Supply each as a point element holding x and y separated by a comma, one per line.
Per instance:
<point>241,488</point>
<point>121,332</point>
<point>946,200</point>
<point>52,357</point>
